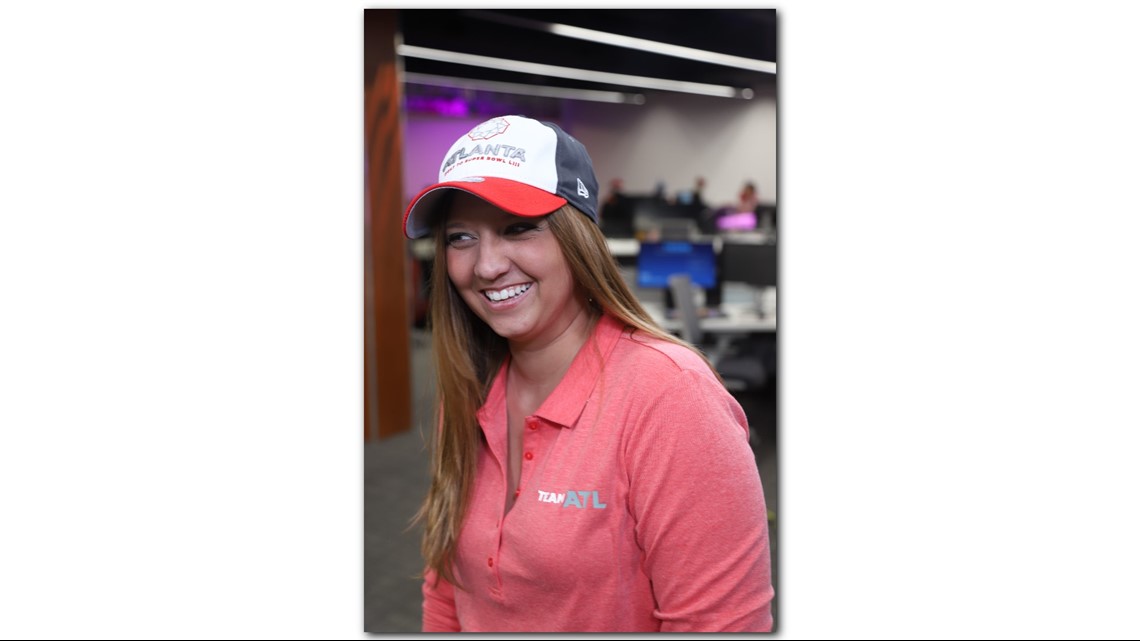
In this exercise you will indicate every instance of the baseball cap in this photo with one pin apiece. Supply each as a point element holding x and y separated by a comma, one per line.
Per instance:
<point>520,165</point>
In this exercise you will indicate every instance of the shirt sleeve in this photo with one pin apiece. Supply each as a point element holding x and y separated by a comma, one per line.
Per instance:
<point>439,605</point>
<point>701,520</point>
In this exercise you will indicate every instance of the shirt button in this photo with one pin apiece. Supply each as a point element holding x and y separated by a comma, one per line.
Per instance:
<point>532,424</point>
<point>490,562</point>
<point>517,492</point>
<point>528,455</point>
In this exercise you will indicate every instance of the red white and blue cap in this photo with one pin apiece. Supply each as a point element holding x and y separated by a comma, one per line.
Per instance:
<point>520,165</point>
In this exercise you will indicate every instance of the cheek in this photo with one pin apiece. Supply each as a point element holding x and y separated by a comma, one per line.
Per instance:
<point>555,262</point>
<point>458,269</point>
<point>555,271</point>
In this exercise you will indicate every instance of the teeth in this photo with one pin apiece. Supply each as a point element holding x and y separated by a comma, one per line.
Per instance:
<point>509,292</point>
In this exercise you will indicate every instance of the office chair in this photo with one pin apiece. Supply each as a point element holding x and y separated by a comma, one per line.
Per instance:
<point>740,371</point>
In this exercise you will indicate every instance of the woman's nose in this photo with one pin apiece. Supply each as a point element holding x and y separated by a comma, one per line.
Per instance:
<point>492,262</point>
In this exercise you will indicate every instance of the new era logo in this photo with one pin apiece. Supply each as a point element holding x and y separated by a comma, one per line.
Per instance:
<point>582,191</point>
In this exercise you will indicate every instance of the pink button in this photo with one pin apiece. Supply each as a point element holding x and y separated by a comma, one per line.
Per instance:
<point>490,562</point>
<point>528,456</point>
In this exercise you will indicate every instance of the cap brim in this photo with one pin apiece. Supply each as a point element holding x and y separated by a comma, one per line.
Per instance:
<point>511,196</point>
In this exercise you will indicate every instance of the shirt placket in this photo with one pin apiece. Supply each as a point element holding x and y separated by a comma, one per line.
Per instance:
<point>531,442</point>
<point>494,553</point>
<point>494,578</point>
<point>533,445</point>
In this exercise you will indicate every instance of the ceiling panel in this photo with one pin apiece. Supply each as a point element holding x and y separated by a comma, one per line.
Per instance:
<point>750,33</point>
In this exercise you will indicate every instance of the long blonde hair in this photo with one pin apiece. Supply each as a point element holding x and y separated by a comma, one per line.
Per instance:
<point>468,354</point>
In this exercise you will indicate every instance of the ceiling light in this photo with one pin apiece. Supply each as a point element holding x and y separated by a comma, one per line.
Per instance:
<point>652,46</point>
<point>503,64</point>
<point>526,90</point>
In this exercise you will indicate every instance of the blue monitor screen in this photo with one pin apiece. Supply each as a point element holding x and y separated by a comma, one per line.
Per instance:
<point>656,262</point>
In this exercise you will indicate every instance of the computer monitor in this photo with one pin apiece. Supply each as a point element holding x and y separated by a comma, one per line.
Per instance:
<point>651,214</point>
<point>617,217</point>
<point>751,263</point>
<point>766,216</point>
<point>656,262</point>
<point>677,228</point>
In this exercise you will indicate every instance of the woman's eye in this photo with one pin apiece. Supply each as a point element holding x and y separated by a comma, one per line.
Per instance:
<point>520,228</point>
<point>459,238</point>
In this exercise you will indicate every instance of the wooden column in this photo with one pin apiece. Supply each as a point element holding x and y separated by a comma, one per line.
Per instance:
<point>387,317</point>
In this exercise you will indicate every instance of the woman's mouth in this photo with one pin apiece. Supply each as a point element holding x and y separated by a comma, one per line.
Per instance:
<point>507,293</point>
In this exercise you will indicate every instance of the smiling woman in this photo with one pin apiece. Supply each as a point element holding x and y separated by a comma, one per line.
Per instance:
<point>557,391</point>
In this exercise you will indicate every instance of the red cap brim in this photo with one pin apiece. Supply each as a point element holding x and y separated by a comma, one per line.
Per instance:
<point>509,195</point>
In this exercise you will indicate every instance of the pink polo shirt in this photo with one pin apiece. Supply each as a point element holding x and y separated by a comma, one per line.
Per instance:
<point>640,506</point>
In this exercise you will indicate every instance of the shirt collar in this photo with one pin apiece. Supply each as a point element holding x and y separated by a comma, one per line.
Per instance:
<point>566,402</point>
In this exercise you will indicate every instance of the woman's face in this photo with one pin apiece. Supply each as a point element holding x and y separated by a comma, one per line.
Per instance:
<point>510,271</point>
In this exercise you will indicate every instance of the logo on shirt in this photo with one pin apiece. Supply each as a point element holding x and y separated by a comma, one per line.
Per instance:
<point>571,498</point>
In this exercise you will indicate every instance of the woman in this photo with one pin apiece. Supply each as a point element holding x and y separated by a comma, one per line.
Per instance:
<point>590,472</point>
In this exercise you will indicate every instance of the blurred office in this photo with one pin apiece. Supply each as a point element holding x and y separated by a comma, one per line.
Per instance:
<point>683,139</point>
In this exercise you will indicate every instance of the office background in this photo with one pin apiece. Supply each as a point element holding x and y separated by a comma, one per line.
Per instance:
<point>656,142</point>
<point>672,139</point>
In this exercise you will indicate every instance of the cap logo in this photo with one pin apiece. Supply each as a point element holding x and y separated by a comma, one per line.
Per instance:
<point>489,129</point>
<point>582,191</point>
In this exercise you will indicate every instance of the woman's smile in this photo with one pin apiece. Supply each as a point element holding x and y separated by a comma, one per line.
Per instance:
<point>507,294</point>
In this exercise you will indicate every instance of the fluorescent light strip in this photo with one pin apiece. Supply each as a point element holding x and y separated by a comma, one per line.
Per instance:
<point>526,90</point>
<point>629,42</point>
<point>573,74</point>
<point>662,48</point>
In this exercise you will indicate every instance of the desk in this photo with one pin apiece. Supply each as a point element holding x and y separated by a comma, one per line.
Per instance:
<point>738,319</point>
<point>631,247</point>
